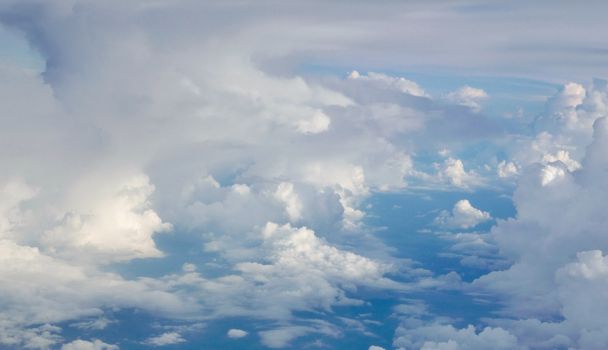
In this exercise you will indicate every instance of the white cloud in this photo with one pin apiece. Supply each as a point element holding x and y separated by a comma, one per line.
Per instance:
<point>300,272</point>
<point>13,333</point>
<point>119,226</point>
<point>375,347</point>
<point>398,83</point>
<point>319,122</point>
<point>236,333</point>
<point>507,169</point>
<point>453,171</point>
<point>560,211</point>
<point>99,161</point>
<point>41,289</point>
<point>564,157</point>
<point>281,337</point>
<point>285,193</point>
<point>469,97</point>
<point>96,344</point>
<point>168,338</point>
<point>95,324</point>
<point>436,336</point>
<point>14,194</point>
<point>570,115</point>
<point>463,216</point>
<point>582,286</point>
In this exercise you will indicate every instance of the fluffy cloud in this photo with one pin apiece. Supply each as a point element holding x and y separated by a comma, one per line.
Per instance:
<point>375,347</point>
<point>550,287</point>
<point>96,344</point>
<point>199,123</point>
<point>116,228</point>
<point>469,97</point>
<point>560,209</point>
<point>446,337</point>
<point>14,194</point>
<point>455,174</point>
<point>507,169</point>
<point>297,271</point>
<point>400,84</point>
<point>236,333</point>
<point>98,197</point>
<point>463,216</point>
<point>563,157</point>
<point>582,290</point>
<point>168,338</point>
<point>281,337</point>
<point>41,289</point>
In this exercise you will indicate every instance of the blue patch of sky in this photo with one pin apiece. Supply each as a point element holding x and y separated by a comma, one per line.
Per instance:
<point>16,52</point>
<point>409,228</point>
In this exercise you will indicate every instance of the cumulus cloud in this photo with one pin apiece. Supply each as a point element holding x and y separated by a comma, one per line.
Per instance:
<point>443,337</point>
<point>49,290</point>
<point>95,324</point>
<point>200,126</point>
<point>563,157</point>
<point>399,83</point>
<point>453,171</point>
<point>469,97</point>
<point>117,228</point>
<point>301,272</point>
<point>281,337</point>
<point>560,209</point>
<point>293,205</point>
<point>507,169</point>
<point>96,344</point>
<point>236,333</point>
<point>375,347</point>
<point>168,338</point>
<point>549,287</point>
<point>463,215</point>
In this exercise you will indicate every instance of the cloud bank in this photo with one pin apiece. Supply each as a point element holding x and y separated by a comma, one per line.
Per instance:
<point>226,143</point>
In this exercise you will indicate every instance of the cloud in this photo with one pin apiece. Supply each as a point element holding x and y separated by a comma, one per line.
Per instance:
<point>281,337</point>
<point>507,169</point>
<point>463,216</point>
<point>40,289</point>
<point>96,324</point>
<point>96,344</point>
<point>375,347</point>
<point>547,288</point>
<point>236,333</point>
<point>116,228</point>
<point>319,122</point>
<point>560,209</point>
<point>387,82</point>
<point>298,271</point>
<point>581,291</point>
<point>563,157</point>
<point>455,174</point>
<point>446,337</point>
<point>469,97</point>
<point>127,140</point>
<point>293,204</point>
<point>168,338</point>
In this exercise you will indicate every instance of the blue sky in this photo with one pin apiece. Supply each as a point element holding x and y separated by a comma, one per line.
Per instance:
<point>303,175</point>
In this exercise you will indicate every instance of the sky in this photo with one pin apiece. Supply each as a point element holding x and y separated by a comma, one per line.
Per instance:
<point>180,174</point>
